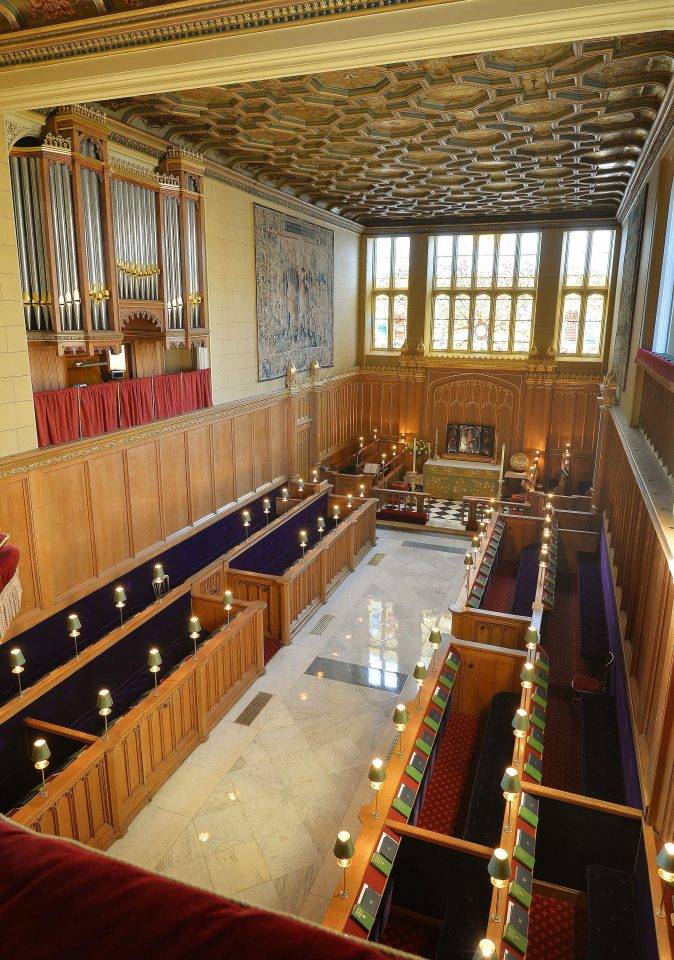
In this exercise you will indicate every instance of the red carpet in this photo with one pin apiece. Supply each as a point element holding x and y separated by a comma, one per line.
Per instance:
<point>501,590</point>
<point>412,934</point>
<point>448,793</point>
<point>563,746</point>
<point>271,648</point>
<point>557,930</point>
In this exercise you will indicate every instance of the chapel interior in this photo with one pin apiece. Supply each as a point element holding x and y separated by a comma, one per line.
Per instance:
<point>337,479</point>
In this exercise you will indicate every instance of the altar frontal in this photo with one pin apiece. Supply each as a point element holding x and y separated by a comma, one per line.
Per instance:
<point>466,469</point>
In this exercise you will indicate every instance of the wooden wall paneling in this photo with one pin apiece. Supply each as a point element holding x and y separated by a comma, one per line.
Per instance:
<point>15,516</point>
<point>278,413</point>
<point>537,406</point>
<point>474,398</point>
<point>142,470</point>
<point>109,515</point>
<point>200,473</point>
<point>173,493</point>
<point>244,477</point>
<point>48,371</point>
<point>70,538</point>
<point>484,673</point>
<point>261,447</point>
<point>223,462</point>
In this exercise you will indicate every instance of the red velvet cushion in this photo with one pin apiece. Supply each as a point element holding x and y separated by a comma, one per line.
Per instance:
<point>585,684</point>
<point>60,901</point>
<point>399,485</point>
<point>9,561</point>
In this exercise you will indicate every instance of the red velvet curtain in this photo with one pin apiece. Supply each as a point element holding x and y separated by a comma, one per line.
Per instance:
<point>135,400</point>
<point>168,399</point>
<point>196,390</point>
<point>99,410</point>
<point>56,416</point>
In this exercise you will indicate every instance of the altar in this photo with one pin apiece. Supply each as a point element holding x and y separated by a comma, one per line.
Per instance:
<point>455,479</point>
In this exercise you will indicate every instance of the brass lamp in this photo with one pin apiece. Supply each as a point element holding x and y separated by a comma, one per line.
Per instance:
<point>520,726</point>
<point>400,718</point>
<point>419,675</point>
<point>314,476</point>
<point>284,498</point>
<point>154,663</point>
<point>500,872</point>
<point>361,490</point>
<point>435,639</point>
<point>349,500</point>
<point>665,862</point>
<point>303,540</point>
<point>531,639</point>
<point>376,776</point>
<point>40,760</point>
<point>228,600</point>
<point>527,677</point>
<point>335,514</point>
<point>120,603</point>
<point>482,530</point>
<point>74,627</point>
<point>511,786</point>
<point>17,661</point>
<point>486,950</point>
<point>245,517</point>
<point>104,707</point>
<point>160,582</point>
<point>343,851</point>
<point>468,563</point>
<point>475,543</point>
<point>266,507</point>
<point>195,630</point>
<point>300,485</point>
<point>321,527</point>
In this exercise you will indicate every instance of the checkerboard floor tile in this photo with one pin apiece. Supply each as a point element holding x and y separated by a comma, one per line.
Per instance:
<point>446,513</point>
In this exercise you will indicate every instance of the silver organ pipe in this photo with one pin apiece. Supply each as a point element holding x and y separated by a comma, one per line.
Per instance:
<point>135,230</point>
<point>174,300</point>
<point>65,249</point>
<point>93,239</point>
<point>28,207</point>
<point>192,263</point>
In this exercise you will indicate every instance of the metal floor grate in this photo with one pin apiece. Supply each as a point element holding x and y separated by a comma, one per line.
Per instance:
<point>376,559</point>
<point>322,625</point>
<point>254,709</point>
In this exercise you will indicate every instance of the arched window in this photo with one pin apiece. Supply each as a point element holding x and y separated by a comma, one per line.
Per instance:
<point>586,278</point>
<point>390,272</point>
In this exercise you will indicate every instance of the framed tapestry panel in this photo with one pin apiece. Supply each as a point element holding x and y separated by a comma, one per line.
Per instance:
<point>294,270</point>
<point>634,227</point>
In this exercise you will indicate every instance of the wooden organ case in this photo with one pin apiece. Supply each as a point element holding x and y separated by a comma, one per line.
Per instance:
<point>109,252</point>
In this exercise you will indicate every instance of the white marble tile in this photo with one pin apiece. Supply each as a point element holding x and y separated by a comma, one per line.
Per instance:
<point>314,908</point>
<point>317,798</point>
<point>323,831</point>
<point>225,828</point>
<point>298,768</point>
<point>263,895</point>
<point>149,836</point>
<point>187,789</point>
<point>195,873</point>
<point>271,813</point>
<point>288,850</point>
<point>223,795</point>
<point>237,868</point>
<point>256,780</point>
<point>223,747</point>
<point>294,887</point>
<point>279,743</point>
<point>339,755</point>
<point>254,753</point>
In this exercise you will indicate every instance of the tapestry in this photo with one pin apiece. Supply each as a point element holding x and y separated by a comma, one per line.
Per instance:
<point>294,270</point>
<point>634,226</point>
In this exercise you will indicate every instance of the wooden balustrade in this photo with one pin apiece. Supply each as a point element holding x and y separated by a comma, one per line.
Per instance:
<point>292,597</point>
<point>96,796</point>
<point>643,561</point>
<point>656,416</point>
<point>401,499</point>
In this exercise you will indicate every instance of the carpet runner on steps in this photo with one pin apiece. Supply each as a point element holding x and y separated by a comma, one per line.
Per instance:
<point>557,930</point>
<point>448,793</point>
<point>499,595</point>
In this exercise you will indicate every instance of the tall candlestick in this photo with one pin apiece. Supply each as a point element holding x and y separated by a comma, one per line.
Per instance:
<point>436,442</point>
<point>414,455</point>
<point>500,475</point>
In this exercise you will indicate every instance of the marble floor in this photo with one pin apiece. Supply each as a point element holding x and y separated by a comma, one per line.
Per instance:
<point>253,813</point>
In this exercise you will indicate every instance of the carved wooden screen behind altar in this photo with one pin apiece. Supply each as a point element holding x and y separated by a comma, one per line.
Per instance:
<point>467,399</point>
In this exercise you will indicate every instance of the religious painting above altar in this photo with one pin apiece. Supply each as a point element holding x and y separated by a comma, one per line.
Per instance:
<point>294,270</point>
<point>470,439</point>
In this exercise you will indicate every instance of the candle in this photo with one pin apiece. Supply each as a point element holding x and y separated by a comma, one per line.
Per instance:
<point>414,455</point>
<point>500,476</point>
<point>436,439</point>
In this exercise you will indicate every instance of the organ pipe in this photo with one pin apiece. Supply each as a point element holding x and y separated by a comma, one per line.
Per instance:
<point>96,236</point>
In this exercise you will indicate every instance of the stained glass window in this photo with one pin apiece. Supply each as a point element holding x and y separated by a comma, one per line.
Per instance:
<point>491,268</point>
<point>391,269</point>
<point>587,275</point>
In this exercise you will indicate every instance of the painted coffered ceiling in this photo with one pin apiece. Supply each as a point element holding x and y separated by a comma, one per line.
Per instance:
<point>546,131</point>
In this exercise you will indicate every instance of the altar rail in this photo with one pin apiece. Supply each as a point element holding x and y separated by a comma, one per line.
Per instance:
<point>96,796</point>
<point>292,597</point>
